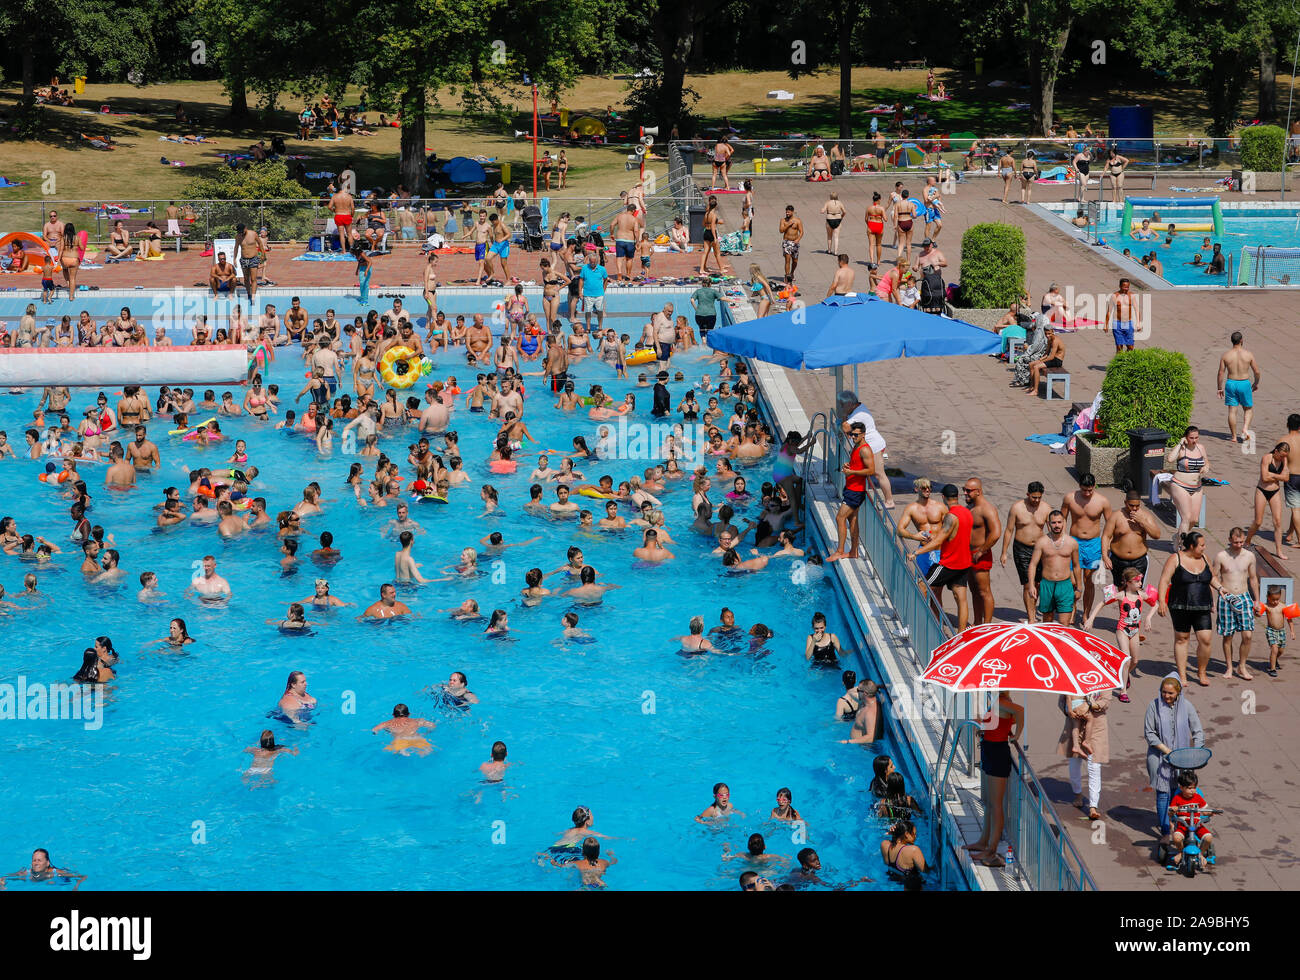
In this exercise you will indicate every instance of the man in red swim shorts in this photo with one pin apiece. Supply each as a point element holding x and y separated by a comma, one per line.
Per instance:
<point>342,205</point>
<point>986,529</point>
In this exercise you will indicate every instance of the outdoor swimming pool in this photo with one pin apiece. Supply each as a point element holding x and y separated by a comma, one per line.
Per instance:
<point>1264,223</point>
<point>156,797</point>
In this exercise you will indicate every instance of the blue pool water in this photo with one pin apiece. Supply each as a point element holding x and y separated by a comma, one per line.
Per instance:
<point>1277,225</point>
<point>157,798</point>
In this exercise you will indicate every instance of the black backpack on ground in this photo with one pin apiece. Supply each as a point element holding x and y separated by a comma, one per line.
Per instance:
<point>933,292</point>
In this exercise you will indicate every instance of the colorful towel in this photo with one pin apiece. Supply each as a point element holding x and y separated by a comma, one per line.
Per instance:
<point>323,257</point>
<point>1047,439</point>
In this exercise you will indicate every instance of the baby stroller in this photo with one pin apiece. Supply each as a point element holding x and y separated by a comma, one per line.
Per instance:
<point>534,235</point>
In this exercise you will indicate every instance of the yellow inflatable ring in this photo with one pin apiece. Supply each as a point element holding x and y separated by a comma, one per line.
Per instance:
<point>388,367</point>
<point>589,491</point>
<point>644,356</point>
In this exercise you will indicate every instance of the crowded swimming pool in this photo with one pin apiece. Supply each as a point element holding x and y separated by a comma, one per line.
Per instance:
<point>620,722</point>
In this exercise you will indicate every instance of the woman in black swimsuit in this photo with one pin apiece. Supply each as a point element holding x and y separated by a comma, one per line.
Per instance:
<point>822,647</point>
<point>1273,473</point>
<point>1189,582</point>
<point>1082,164</point>
<point>902,855</point>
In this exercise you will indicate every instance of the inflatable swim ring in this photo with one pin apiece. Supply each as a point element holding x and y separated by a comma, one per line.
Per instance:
<point>181,432</point>
<point>401,368</point>
<point>193,436</point>
<point>644,356</point>
<point>587,490</point>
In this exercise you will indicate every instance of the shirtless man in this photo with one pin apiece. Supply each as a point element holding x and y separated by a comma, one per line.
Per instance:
<point>478,339</point>
<point>1124,314</point>
<point>589,592</point>
<point>1053,359</point>
<point>926,515</point>
<point>250,248</point>
<point>387,607</point>
<point>325,360</point>
<point>626,229</point>
<point>405,567</point>
<point>651,550</point>
<point>791,229</point>
<point>342,205</point>
<point>1025,521</point>
<point>53,232</point>
<point>1088,511</point>
<point>1236,387</point>
<point>1291,489</point>
<point>210,585</point>
<point>563,506</point>
<point>986,528</point>
<point>482,230</point>
<point>295,321</point>
<point>1124,545</point>
<point>406,732</point>
<point>1057,554</point>
<point>842,282</point>
<point>269,321</point>
<point>221,278</point>
<point>499,245</point>
<point>121,474</point>
<point>1239,577</point>
<point>230,525</point>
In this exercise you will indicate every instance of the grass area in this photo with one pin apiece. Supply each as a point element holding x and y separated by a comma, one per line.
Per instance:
<point>133,171</point>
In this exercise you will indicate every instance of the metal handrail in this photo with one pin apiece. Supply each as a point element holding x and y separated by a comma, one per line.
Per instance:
<point>1042,843</point>
<point>939,795</point>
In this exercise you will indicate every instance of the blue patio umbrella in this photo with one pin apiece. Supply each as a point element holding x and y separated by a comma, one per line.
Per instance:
<point>851,330</point>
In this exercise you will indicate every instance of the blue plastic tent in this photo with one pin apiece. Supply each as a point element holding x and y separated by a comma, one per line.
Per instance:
<point>463,170</point>
<point>851,330</point>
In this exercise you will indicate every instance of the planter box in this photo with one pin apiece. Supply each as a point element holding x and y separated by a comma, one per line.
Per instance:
<point>1108,464</point>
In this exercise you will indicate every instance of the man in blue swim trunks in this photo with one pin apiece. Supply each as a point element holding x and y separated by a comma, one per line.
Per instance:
<point>1122,316</point>
<point>222,276</point>
<point>1236,386</point>
<point>1089,511</point>
<point>482,232</point>
<point>500,245</point>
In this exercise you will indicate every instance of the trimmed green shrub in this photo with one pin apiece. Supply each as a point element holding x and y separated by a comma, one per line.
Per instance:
<point>1148,388</point>
<point>1262,148</point>
<point>260,192</point>
<point>992,265</point>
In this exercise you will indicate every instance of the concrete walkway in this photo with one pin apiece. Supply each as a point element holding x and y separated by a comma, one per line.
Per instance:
<point>949,419</point>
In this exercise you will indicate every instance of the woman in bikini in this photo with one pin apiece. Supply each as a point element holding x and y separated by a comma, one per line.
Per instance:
<point>1190,466</point>
<point>834,211</point>
<point>551,283</point>
<point>1028,174</point>
<point>1273,473</point>
<point>517,310</point>
<point>875,218</point>
<point>391,415</point>
<point>579,342</point>
<point>70,257</point>
<point>712,220</point>
<point>904,217</point>
<point>119,243</point>
<point>1115,165</point>
<point>1006,170</point>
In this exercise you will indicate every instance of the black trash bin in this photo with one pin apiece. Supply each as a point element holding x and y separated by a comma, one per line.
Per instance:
<point>688,157</point>
<point>695,221</point>
<point>1146,451</point>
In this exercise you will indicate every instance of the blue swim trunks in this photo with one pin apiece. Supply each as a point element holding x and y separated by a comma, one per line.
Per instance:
<point>480,251</point>
<point>1123,331</point>
<point>1089,553</point>
<point>624,249</point>
<point>502,249</point>
<point>1238,393</point>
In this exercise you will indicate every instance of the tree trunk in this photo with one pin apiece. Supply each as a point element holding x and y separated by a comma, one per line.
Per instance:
<point>846,18</point>
<point>1046,49</point>
<point>413,117</point>
<point>674,24</point>
<point>29,76</point>
<point>1268,82</point>
<point>238,97</point>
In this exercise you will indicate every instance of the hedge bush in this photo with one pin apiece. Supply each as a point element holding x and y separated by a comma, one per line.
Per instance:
<point>992,265</point>
<point>253,193</point>
<point>1148,388</point>
<point>1262,148</point>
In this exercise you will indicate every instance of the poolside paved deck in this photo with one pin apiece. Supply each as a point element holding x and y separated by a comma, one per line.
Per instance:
<point>1254,775</point>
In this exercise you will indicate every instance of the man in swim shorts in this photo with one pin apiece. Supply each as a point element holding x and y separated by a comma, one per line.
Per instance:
<point>1123,313</point>
<point>221,278</point>
<point>1056,554</point>
<point>952,541</point>
<point>626,229</point>
<point>1088,511</point>
<point>791,229</point>
<point>1238,575</point>
<point>1025,521</point>
<point>986,528</point>
<point>482,231</point>
<point>1236,386</point>
<point>406,732</point>
<point>250,258</point>
<point>500,245</point>
<point>925,514</point>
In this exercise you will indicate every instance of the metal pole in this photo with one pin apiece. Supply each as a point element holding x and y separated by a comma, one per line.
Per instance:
<point>534,141</point>
<point>1286,146</point>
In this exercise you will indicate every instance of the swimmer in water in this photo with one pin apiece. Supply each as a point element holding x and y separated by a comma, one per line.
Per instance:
<point>721,807</point>
<point>589,593</point>
<point>499,624</point>
<point>534,592</point>
<point>695,641</point>
<point>387,607</point>
<point>297,619</point>
<point>264,754</point>
<point>43,870</point>
<point>591,866</point>
<point>494,543</point>
<point>755,855</point>
<point>494,770</point>
<point>322,598</point>
<point>571,630</point>
<point>466,610</point>
<point>783,809</point>
<point>177,635</point>
<point>295,698</point>
<point>210,585</point>
<point>456,693</point>
<point>569,847</point>
<point>406,732</point>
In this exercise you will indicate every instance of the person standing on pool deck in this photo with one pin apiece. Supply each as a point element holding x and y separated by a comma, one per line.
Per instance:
<point>250,258</point>
<point>953,544</point>
<point>1057,553</point>
<point>791,229</point>
<point>625,229</point>
<point>500,245</point>
<point>1025,522</point>
<point>1124,545</point>
<point>1122,311</point>
<point>986,528</point>
<point>1237,571</point>
<point>591,289</point>
<point>1186,595</point>
<point>861,465</point>
<point>1236,387</point>
<point>1081,163</point>
<point>482,229</point>
<point>1089,511</point>
<point>342,205</point>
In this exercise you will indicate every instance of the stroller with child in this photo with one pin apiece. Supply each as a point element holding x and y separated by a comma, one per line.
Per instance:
<point>534,233</point>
